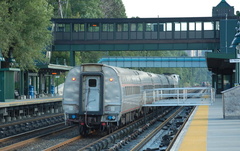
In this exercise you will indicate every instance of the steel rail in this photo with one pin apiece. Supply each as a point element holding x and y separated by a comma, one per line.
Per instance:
<point>154,132</point>
<point>25,142</point>
<point>30,120</point>
<point>63,143</point>
<point>29,132</point>
<point>179,131</point>
<point>110,136</point>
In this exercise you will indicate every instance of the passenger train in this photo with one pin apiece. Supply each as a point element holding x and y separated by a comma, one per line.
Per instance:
<point>103,97</point>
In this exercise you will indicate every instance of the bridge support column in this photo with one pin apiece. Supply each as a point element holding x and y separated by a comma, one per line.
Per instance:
<point>72,58</point>
<point>21,91</point>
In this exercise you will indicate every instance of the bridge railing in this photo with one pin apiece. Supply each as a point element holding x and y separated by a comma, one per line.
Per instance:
<point>190,96</point>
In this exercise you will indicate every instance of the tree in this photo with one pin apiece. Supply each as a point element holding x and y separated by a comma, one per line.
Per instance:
<point>78,8</point>
<point>24,31</point>
<point>238,13</point>
<point>113,9</point>
<point>87,9</point>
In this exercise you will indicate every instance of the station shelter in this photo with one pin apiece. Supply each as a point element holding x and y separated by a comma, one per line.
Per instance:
<point>225,74</point>
<point>18,84</point>
<point>43,82</point>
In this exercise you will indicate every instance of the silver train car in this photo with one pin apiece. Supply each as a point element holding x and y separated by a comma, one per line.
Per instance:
<point>103,97</point>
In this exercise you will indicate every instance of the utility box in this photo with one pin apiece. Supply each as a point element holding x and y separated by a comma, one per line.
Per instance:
<point>7,84</point>
<point>231,103</point>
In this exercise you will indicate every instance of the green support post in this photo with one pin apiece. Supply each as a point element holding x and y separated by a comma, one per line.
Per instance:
<point>21,91</point>
<point>72,58</point>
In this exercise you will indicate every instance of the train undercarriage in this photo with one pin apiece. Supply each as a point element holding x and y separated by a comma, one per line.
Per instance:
<point>86,124</point>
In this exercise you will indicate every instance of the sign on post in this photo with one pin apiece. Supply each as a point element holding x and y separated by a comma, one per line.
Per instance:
<point>234,60</point>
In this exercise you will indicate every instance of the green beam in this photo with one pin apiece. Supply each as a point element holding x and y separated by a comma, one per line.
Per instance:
<point>137,47</point>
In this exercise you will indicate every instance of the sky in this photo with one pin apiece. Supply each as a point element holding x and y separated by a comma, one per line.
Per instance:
<point>173,8</point>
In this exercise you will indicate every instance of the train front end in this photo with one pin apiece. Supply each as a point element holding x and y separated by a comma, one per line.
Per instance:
<point>85,102</point>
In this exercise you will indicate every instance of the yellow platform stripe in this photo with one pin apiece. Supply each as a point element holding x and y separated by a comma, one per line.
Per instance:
<point>196,136</point>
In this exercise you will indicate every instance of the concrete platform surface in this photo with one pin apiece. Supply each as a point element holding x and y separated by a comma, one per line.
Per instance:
<point>207,130</point>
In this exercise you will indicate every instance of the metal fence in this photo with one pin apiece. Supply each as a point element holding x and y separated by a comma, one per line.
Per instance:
<point>190,96</point>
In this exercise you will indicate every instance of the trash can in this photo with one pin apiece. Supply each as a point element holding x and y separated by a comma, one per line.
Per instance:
<point>52,90</point>
<point>31,91</point>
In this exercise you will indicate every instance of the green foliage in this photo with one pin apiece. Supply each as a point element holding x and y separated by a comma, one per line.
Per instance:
<point>113,9</point>
<point>24,30</point>
<point>87,9</point>
<point>238,13</point>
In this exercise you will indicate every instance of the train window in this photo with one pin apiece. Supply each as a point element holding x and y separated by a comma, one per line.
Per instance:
<point>92,82</point>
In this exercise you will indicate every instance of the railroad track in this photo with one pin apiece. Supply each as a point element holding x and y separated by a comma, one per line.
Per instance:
<point>114,141</point>
<point>98,143</point>
<point>50,130</point>
<point>22,126</point>
<point>169,137</point>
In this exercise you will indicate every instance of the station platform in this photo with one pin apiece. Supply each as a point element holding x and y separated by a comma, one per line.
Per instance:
<point>29,108</point>
<point>207,130</point>
<point>30,101</point>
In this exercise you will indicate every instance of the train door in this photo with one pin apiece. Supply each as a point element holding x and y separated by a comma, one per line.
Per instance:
<point>92,94</point>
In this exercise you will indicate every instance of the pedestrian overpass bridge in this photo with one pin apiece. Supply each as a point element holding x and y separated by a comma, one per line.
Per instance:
<point>163,62</point>
<point>139,34</point>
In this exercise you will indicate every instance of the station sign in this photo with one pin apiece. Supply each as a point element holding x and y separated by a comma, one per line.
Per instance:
<point>55,73</point>
<point>238,55</point>
<point>234,60</point>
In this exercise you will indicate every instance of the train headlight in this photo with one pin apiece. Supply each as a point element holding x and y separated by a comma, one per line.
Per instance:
<point>111,79</point>
<point>72,116</point>
<point>111,117</point>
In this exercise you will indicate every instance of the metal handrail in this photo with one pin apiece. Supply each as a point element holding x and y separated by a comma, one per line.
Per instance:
<point>182,96</point>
